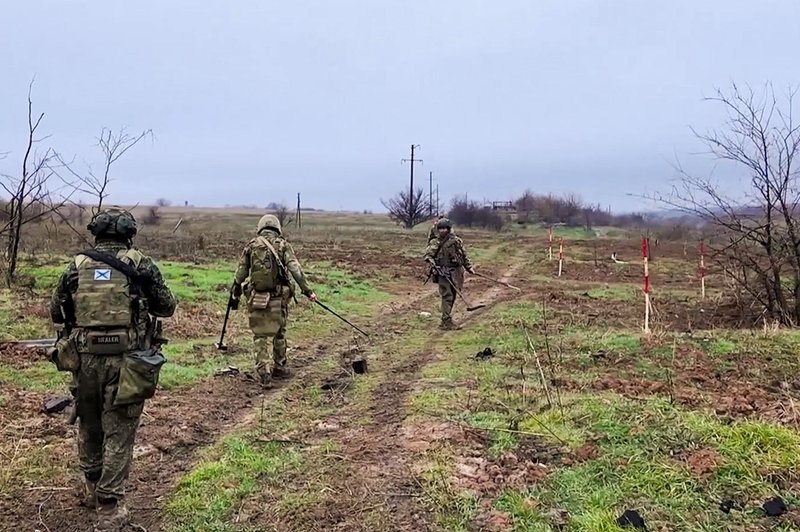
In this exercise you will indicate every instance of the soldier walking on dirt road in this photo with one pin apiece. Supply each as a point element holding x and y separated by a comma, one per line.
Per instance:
<point>107,301</point>
<point>447,255</point>
<point>264,275</point>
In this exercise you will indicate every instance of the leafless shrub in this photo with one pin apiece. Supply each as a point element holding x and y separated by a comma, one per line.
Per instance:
<point>34,194</point>
<point>281,211</point>
<point>406,209</point>
<point>757,238</point>
<point>472,214</point>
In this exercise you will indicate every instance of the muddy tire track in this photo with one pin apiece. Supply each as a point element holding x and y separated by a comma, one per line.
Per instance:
<point>379,460</point>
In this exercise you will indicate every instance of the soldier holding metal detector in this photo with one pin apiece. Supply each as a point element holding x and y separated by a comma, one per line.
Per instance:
<point>266,269</point>
<point>107,301</point>
<point>448,260</point>
<point>265,273</point>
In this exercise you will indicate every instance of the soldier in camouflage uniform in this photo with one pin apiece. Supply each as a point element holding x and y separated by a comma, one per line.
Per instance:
<point>448,254</point>
<point>107,317</point>
<point>266,269</point>
<point>434,232</point>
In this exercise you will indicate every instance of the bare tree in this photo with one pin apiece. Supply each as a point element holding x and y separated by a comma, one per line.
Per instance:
<point>31,194</point>
<point>113,145</point>
<point>281,212</point>
<point>163,202</point>
<point>408,210</point>
<point>757,239</point>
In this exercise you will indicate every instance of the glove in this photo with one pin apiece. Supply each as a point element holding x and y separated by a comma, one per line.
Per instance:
<point>471,270</point>
<point>234,303</point>
<point>236,293</point>
<point>430,261</point>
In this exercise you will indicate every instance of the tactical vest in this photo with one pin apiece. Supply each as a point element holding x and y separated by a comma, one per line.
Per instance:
<point>265,272</point>
<point>104,299</point>
<point>449,255</point>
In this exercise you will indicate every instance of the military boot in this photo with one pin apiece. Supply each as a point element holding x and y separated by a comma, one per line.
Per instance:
<point>88,494</point>
<point>112,516</point>
<point>448,325</point>
<point>264,375</point>
<point>281,372</point>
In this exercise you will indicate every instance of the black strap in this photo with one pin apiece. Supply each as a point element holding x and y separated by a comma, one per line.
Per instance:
<point>110,260</point>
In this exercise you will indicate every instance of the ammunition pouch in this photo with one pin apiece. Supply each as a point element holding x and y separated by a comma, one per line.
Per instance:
<point>66,356</point>
<point>259,300</point>
<point>138,376</point>
<point>107,342</point>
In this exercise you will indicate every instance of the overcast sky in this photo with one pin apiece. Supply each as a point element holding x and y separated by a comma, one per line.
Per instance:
<point>254,101</point>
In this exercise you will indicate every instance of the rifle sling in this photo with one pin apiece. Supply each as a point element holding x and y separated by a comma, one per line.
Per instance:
<point>130,272</point>
<point>281,266</point>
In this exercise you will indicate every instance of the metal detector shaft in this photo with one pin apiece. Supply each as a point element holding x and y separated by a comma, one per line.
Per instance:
<point>470,308</point>
<point>221,344</point>
<point>321,304</point>
<point>502,283</point>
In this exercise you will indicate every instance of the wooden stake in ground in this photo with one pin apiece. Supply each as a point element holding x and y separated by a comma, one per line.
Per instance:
<point>560,256</point>
<point>550,243</point>
<point>702,269</point>
<point>646,287</point>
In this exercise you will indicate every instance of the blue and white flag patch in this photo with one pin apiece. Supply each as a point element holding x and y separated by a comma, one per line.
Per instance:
<point>102,275</point>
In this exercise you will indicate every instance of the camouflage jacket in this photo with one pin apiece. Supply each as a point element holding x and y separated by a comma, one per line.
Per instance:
<point>448,252</point>
<point>433,233</point>
<point>285,254</point>
<point>160,301</point>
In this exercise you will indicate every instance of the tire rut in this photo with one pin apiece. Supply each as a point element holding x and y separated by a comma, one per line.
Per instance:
<point>380,467</point>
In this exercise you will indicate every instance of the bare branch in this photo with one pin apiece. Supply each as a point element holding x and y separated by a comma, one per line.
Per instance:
<point>757,238</point>
<point>408,210</point>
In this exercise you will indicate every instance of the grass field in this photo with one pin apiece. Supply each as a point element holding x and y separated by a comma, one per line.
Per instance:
<point>576,417</point>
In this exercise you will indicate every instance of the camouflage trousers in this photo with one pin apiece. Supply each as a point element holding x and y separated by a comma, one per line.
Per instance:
<point>269,333</point>
<point>106,432</point>
<point>448,293</point>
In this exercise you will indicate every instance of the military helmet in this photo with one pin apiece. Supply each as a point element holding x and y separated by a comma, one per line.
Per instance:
<point>444,223</point>
<point>115,223</point>
<point>269,221</point>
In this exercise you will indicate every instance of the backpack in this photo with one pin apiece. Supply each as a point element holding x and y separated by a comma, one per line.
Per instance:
<point>265,267</point>
<point>104,298</point>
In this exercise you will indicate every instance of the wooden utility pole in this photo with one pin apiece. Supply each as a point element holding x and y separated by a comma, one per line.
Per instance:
<point>430,194</point>
<point>437,200</point>
<point>298,220</point>
<point>412,161</point>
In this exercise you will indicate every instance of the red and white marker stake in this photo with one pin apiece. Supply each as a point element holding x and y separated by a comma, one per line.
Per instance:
<point>702,269</point>
<point>646,288</point>
<point>560,256</point>
<point>550,241</point>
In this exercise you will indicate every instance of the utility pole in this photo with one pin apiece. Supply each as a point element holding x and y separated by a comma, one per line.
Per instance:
<point>298,219</point>
<point>437,199</point>
<point>412,161</point>
<point>430,194</point>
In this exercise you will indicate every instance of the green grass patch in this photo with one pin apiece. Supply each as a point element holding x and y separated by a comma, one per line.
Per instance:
<point>342,288</point>
<point>619,292</point>
<point>195,283</point>
<point>26,460</point>
<point>39,377</point>
<point>45,273</point>
<point>454,509</point>
<point>723,346</point>
<point>16,324</point>
<point>638,465</point>
<point>206,498</point>
<point>190,362</point>
<point>593,340</point>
